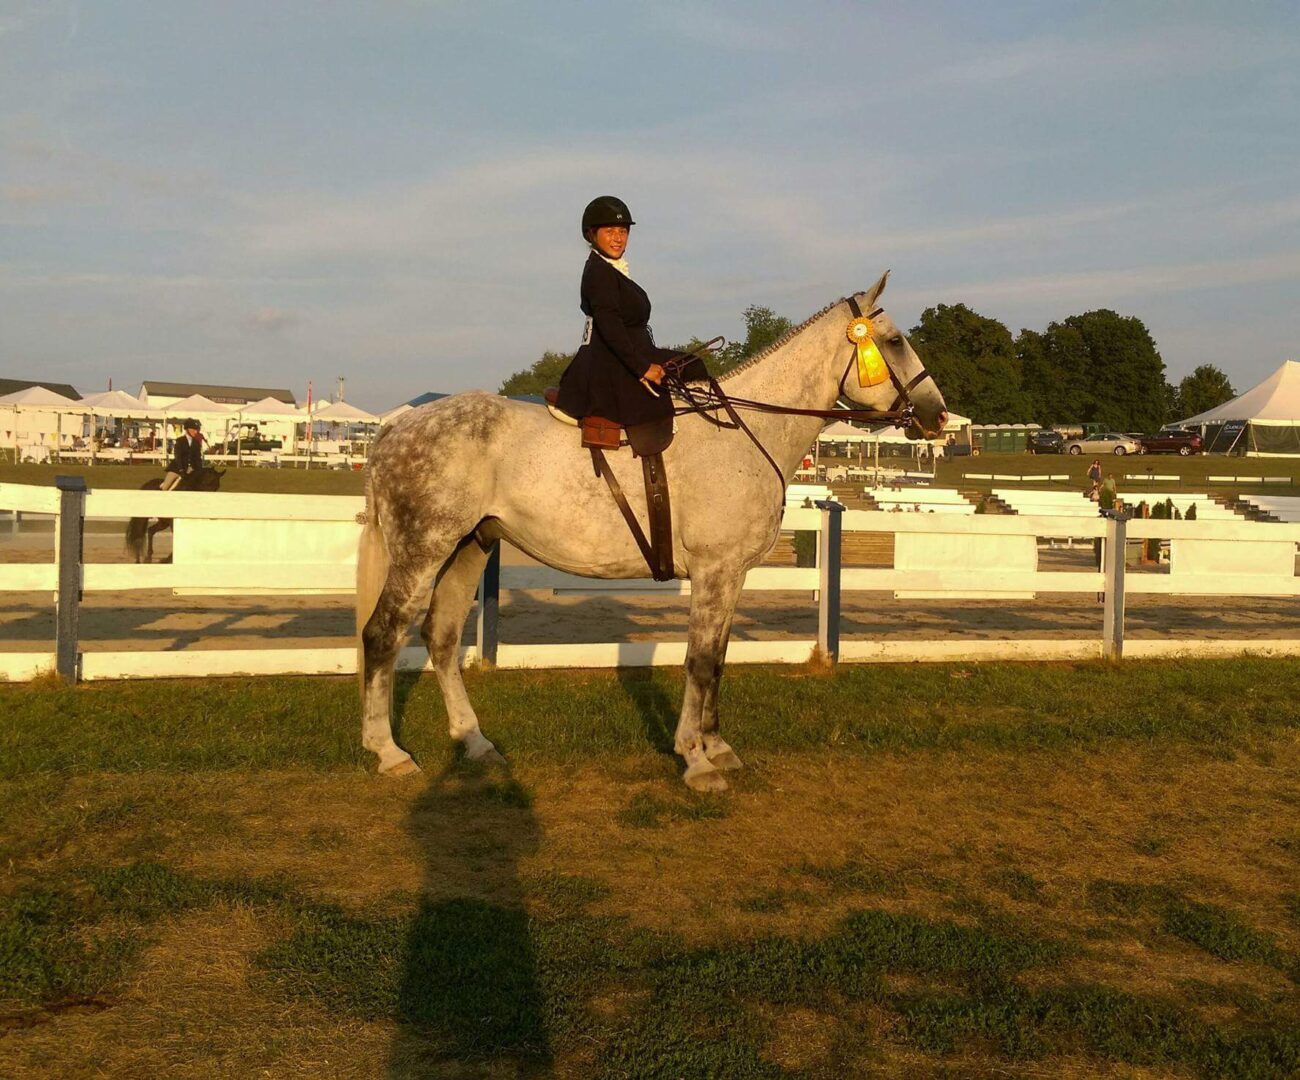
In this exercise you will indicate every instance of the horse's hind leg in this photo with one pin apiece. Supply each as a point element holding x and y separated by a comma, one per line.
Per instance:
<point>713,602</point>
<point>453,596</point>
<point>381,641</point>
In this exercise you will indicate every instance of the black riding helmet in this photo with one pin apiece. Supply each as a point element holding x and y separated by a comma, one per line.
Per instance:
<point>605,210</point>
<point>190,422</point>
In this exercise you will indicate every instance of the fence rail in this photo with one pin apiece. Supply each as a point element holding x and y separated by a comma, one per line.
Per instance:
<point>237,543</point>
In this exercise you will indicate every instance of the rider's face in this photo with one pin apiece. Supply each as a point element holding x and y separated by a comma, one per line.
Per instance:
<point>612,240</point>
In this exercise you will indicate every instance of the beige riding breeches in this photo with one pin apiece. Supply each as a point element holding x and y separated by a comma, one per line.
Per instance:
<point>170,481</point>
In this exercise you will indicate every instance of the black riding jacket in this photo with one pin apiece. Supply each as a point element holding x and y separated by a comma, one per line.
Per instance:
<point>604,377</point>
<point>187,455</point>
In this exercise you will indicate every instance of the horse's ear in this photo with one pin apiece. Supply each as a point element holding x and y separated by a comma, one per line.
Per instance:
<point>873,293</point>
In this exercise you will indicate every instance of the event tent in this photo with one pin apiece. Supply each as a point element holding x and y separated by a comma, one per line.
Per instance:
<point>118,403</point>
<point>344,413</point>
<point>199,407</point>
<point>1262,422</point>
<point>41,412</point>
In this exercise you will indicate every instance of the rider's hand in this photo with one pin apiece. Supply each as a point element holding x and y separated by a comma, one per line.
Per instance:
<point>654,373</point>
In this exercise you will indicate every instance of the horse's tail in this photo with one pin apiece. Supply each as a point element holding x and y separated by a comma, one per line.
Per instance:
<point>135,530</point>
<point>372,573</point>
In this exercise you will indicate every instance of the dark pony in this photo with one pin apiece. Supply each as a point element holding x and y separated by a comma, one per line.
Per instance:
<point>140,534</point>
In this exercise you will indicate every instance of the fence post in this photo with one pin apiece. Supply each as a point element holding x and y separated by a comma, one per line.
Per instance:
<point>1112,618</point>
<point>69,532</point>
<point>489,604</point>
<point>828,604</point>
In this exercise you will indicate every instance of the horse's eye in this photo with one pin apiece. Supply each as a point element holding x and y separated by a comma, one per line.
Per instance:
<point>896,340</point>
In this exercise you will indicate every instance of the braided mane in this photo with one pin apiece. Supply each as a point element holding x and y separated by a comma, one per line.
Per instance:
<point>788,335</point>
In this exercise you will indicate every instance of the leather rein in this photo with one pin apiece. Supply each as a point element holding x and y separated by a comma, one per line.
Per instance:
<point>710,396</point>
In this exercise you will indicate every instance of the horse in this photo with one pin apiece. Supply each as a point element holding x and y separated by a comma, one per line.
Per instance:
<point>450,479</point>
<point>140,534</point>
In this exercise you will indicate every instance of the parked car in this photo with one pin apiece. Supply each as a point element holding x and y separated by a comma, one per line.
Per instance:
<point>1172,442</point>
<point>1045,441</point>
<point>1109,443</point>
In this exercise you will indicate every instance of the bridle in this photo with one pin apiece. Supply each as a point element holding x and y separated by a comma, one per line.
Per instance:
<point>705,397</point>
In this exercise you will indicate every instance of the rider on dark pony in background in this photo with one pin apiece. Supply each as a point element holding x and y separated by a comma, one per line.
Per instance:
<point>187,455</point>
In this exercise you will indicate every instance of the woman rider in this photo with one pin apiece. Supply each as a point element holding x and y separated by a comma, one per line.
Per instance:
<point>617,370</point>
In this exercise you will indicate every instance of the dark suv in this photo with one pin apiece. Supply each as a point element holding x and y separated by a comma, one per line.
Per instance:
<point>1045,441</point>
<point>1183,443</point>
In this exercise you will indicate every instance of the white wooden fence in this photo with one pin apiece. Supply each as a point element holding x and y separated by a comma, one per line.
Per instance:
<point>237,544</point>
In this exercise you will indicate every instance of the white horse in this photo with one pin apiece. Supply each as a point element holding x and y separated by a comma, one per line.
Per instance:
<point>451,478</point>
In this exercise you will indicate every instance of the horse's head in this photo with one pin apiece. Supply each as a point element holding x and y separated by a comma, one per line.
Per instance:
<point>895,377</point>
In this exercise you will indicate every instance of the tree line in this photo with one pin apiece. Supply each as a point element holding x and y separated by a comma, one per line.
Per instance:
<point>1095,368</point>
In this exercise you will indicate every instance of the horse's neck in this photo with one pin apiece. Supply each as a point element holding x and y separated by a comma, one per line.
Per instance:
<point>802,374</point>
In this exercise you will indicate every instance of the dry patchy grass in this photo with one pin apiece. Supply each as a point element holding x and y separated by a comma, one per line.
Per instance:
<point>1005,847</point>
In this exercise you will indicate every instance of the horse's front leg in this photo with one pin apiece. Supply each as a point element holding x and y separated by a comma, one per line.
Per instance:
<point>714,593</point>
<point>720,755</point>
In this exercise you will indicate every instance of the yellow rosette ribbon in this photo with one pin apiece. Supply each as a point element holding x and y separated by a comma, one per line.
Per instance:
<point>872,369</point>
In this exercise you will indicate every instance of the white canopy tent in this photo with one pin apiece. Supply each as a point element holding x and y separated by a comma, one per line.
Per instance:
<point>206,411</point>
<point>117,406</point>
<point>395,412</point>
<point>118,403</point>
<point>34,416</point>
<point>341,412</point>
<point>1262,422</point>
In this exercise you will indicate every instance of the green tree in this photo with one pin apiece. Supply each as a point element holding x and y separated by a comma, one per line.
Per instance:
<point>546,372</point>
<point>1203,389</point>
<point>1054,374</point>
<point>973,360</point>
<point>762,327</point>
<point>1098,367</point>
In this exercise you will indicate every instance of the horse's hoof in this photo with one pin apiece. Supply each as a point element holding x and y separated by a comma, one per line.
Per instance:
<point>726,760</point>
<point>405,767</point>
<point>702,776</point>
<point>491,756</point>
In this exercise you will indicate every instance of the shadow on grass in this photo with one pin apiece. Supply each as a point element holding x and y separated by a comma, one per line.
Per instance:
<point>655,709</point>
<point>468,987</point>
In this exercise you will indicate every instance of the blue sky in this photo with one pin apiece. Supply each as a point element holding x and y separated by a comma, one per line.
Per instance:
<point>270,193</point>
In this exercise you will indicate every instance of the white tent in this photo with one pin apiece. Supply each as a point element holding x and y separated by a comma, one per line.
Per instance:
<point>393,413</point>
<point>34,417</point>
<point>842,431</point>
<point>1262,422</point>
<point>118,403</point>
<point>342,412</point>
<point>199,407</point>
<point>270,408</point>
<point>39,397</point>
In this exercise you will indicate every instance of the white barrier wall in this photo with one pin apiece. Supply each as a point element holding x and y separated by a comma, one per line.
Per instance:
<point>232,543</point>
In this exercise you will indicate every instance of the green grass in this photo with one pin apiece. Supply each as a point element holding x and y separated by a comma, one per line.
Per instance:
<point>277,481</point>
<point>1192,471</point>
<point>474,980</point>
<point>562,716</point>
<point>483,929</point>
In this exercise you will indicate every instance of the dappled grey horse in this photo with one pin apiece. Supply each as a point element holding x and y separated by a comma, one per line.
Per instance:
<point>449,479</point>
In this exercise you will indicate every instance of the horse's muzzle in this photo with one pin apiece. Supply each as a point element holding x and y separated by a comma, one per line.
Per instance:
<point>919,430</point>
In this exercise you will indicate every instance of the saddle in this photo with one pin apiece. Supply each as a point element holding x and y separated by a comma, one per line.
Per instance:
<point>648,442</point>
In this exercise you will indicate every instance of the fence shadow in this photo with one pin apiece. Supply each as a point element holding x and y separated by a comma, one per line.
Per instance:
<point>470,993</point>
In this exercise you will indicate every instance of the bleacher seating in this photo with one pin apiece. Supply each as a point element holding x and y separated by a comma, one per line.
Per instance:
<point>1077,504</point>
<point>1280,507</point>
<point>920,500</point>
<point>796,494</point>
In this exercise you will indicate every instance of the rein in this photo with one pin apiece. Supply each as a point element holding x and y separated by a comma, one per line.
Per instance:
<point>709,397</point>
